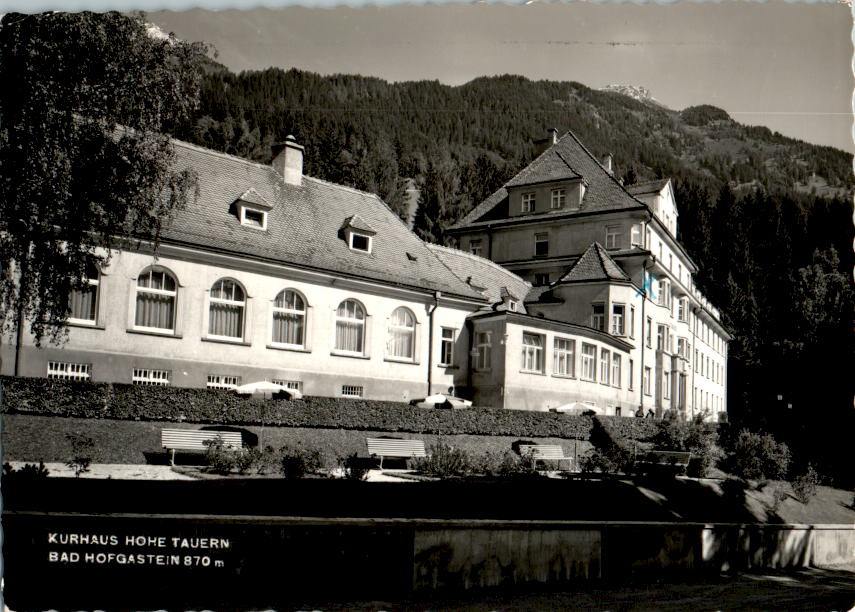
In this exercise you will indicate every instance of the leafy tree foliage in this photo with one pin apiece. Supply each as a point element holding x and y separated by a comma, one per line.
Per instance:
<point>86,101</point>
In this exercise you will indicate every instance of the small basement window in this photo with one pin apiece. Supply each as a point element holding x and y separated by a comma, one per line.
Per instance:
<point>352,391</point>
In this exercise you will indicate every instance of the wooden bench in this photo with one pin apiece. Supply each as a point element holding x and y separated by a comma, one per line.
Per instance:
<point>389,447</point>
<point>678,460</point>
<point>194,440</point>
<point>545,452</point>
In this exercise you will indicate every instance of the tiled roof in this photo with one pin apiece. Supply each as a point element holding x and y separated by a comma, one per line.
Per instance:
<point>551,166</point>
<point>490,278</point>
<point>647,187</point>
<point>603,191</point>
<point>251,196</point>
<point>595,264</point>
<point>303,226</point>
<point>358,223</point>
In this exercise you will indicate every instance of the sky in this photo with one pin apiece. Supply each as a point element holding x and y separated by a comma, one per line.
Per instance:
<point>786,65</point>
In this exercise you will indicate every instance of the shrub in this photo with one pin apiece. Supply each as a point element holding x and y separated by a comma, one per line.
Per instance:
<point>805,485</point>
<point>353,467</point>
<point>82,449</point>
<point>28,471</point>
<point>757,456</point>
<point>176,404</point>
<point>610,453</point>
<point>444,461</point>
<point>696,437</point>
<point>221,459</point>
<point>296,462</point>
<point>779,495</point>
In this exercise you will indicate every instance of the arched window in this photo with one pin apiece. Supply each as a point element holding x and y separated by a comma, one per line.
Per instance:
<point>226,315</point>
<point>289,319</point>
<point>350,327</point>
<point>402,334</point>
<point>83,301</point>
<point>156,294</point>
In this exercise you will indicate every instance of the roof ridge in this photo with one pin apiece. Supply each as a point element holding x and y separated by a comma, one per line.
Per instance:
<point>474,257</point>
<point>215,153</point>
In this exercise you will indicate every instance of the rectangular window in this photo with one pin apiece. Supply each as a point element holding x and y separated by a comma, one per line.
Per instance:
<point>635,236</point>
<point>352,391</point>
<point>541,245</point>
<point>683,347</point>
<point>446,347</point>
<point>605,363</point>
<point>563,357</point>
<point>646,382</point>
<point>254,218</point>
<point>631,374</point>
<point>218,381</point>
<point>664,293</point>
<point>682,309</point>
<point>69,371</point>
<point>598,316</point>
<point>613,237</point>
<point>589,362</point>
<point>666,384</point>
<point>648,331</point>
<point>632,322</point>
<point>145,376</point>
<point>559,196</point>
<point>532,352</point>
<point>294,385</point>
<point>475,247</point>
<point>84,302</point>
<point>660,337</point>
<point>616,370</point>
<point>528,201</point>
<point>541,279</point>
<point>360,242</point>
<point>618,314</point>
<point>482,343</point>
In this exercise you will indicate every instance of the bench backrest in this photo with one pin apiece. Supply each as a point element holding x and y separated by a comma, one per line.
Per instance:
<point>543,451</point>
<point>386,447</point>
<point>194,439</point>
<point>666,457</point>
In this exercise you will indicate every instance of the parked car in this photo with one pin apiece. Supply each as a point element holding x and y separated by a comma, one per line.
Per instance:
<point>440,400</point>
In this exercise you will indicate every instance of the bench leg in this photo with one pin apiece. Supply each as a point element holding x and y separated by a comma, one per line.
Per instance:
<point>172,458</point>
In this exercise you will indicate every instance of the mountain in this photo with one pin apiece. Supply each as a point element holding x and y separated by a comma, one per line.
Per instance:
<point>641,94</point>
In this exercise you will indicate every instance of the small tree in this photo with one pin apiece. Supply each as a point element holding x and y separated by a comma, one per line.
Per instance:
<point>805,485</point>
<point>82,448</point>
<point>757,456</point>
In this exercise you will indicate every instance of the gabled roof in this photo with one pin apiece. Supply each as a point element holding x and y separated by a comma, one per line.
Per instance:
<point>492,280</point>
<point>358,223</point>
<point>648,187</point>
<point>603,192</point>
<point>251,196</point>
<point>551,166</point>
<point>303,225</point>
<point>595,264</point>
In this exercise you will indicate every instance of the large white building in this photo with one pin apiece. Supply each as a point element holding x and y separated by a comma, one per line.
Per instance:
<point>568,288</point>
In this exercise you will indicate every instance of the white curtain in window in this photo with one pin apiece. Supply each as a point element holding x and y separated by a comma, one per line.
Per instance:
<point>155,310</point>
<point>226,310</point>
<point>349,327</point>
<point>289,319</point>
<point>402,331</point>
<point>82,302</point>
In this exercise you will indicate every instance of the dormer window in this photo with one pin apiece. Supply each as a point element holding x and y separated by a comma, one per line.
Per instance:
<point>558,198</point>
<point>360,242</point>
<point>252,210</point>
<point>254,218</point>
<point>512,305</point>
<point>358,235</point>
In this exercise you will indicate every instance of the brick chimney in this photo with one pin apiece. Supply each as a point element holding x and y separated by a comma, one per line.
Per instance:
<point>288,161</point>
<point>543,144</point>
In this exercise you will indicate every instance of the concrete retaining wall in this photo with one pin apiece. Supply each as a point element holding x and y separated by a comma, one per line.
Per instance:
<point>268,559</point>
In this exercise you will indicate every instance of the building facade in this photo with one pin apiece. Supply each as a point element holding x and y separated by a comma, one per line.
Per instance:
<point>567,289</point>
<point>605,257</point>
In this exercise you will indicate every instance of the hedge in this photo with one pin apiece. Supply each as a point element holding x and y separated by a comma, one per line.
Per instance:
<point>64,398</point>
